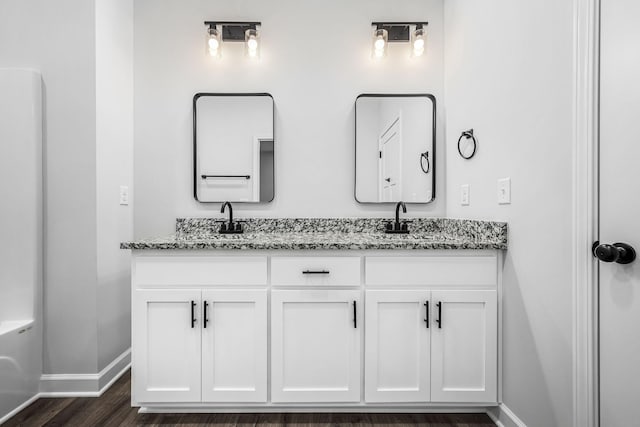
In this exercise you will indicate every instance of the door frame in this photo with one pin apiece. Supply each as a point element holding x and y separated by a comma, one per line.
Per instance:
<point>586,67</point>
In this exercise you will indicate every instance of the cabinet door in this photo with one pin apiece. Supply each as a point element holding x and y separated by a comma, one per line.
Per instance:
<point>464,346</point>
<point>315,340</point>
<point>397,341</point>
<point>166,346</point>
<point>234,346</point>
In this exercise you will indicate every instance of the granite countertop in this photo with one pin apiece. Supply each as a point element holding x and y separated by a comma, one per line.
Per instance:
<point>330,233</point>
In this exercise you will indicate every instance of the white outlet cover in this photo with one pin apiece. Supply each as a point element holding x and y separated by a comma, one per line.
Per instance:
<point>464,195</point>
<point>504,191</point>
<point>124,195</point>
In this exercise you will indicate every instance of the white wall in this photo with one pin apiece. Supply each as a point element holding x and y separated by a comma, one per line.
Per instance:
<point>509,77</point>
<point>315,60</point>
<point>57,38</point>
<point>114,162</point>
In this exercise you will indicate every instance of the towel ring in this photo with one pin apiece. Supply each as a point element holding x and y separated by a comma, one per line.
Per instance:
<point>425,157</point>
<point>468,134</point>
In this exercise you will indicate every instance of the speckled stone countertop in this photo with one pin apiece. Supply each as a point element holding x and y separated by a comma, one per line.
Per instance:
<point>330,233</point>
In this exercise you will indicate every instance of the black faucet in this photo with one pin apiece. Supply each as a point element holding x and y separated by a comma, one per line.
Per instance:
<point>398,227</point>
<point>229,227</point>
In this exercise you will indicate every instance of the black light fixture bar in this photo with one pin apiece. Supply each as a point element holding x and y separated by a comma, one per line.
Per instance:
<point>385,23</point>
<point>398,31</point>
<point>233,30</point>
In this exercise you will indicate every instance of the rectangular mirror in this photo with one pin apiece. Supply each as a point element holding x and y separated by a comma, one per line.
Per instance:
<point>395,148</point>
<point>233,143</point>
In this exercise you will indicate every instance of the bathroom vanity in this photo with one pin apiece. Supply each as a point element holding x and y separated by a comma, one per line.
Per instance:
<point>304,314</point>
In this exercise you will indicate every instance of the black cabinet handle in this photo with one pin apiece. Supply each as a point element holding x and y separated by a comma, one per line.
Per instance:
<point>426,308</point>
<point>193,314</point>
<point>315,272</point>
<point>205,317</point>
<point>439,319</point>
<point>355,316</point>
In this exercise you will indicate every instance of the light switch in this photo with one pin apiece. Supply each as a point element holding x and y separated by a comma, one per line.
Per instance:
<point>504,191</point>
<point>124,195</point>
<point>464,195</point>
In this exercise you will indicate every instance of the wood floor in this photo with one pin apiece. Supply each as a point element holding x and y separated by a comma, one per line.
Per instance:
<point>113,408</point>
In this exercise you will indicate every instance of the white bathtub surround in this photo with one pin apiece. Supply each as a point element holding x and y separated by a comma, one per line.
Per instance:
<point>21,235</point>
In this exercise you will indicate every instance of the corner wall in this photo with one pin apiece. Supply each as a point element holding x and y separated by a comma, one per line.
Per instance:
<point>509,76</point>
<point>114,160</point>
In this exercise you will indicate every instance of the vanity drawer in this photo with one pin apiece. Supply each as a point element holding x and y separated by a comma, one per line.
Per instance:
<point>199,270</point>
<point>332,271</point>
<point>433,270</point>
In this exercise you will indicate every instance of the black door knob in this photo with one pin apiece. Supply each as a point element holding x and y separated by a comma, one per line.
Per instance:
<point>621,253</point>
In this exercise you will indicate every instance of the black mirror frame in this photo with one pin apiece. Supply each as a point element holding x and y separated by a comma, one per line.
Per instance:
<point>433,157</point>
<point>195,143</point>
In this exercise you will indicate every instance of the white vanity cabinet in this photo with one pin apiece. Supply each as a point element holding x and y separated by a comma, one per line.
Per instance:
<point>354,329</point>
<point>464,346</point>
<point>234,346</point>
<point>397,346</point>
<point>166,346</point>
<point>315,345</point>
<point>432,329</point>
<point>204,343</point>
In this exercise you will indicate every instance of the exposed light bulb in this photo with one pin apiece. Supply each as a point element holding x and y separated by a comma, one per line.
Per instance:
<point>252,43</point>
<point>213,42</point>
<point>380,43</point>
<point>418,42</point>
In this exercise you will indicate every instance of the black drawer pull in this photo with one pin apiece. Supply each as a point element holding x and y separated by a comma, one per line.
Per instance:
<point>426,319</point>
<point>439,319</point>
<point>316,272</point>
<point>193,314</point>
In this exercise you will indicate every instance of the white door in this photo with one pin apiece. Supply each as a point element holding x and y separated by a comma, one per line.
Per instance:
<point>464,346</point>
<point>166,340</point>
<point>619,284</point>
<point>315,342</point>
<point>390,163</point>
<point>234,346</point>
<point>397,346</point>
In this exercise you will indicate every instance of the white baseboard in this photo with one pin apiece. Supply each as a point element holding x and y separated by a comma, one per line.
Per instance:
<point>84,385</point>
<point>504,417</point>
<point>18,409</point>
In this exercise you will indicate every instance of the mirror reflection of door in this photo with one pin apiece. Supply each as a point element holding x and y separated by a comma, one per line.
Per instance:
<point>395,147</point>
<point>390,164</point>
<point>233,143</point>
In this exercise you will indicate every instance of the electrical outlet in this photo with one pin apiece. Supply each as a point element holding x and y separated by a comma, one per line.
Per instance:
<point>504,191</point>
<point>124,195</point>
<point>464,195</point>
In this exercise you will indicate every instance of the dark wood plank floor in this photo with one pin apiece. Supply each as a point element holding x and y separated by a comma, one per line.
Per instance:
<point>113,408</point>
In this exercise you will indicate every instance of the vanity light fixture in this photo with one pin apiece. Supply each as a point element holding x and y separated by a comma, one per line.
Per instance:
<point>233,31</point>
<point>399,32</point>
